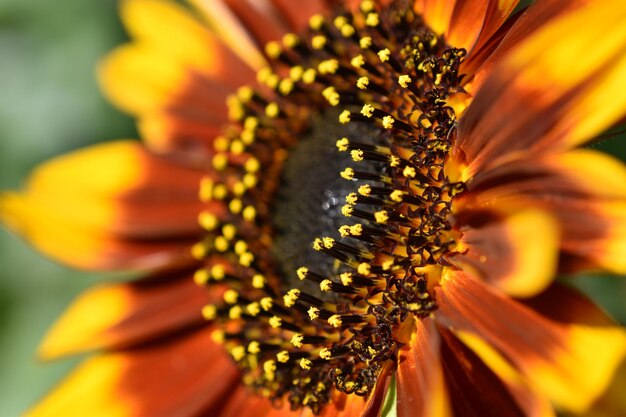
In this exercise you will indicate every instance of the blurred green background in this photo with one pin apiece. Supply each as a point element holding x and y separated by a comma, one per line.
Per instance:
<point>50,104</point>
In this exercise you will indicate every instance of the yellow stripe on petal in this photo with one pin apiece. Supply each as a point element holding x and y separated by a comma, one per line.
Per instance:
<point>168,27</point>
<point>582,52</point>
<point>90,391</point>
<point>140,79</point>
<point>83,325</point>
<point>587,375</point>
<point>225,24</point>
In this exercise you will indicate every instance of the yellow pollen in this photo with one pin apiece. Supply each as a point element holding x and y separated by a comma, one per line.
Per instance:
<point>325,354</point>
<point>316,22</point>
<point>372,20</point>
<point>344,117</point>
<point>220,192</point>
<point>365,42</point>
<point>404,81</point>
<point>291,40</point>
<point>201,276</point>
<point>275,322</point>
<point>346,278</point>
<point>357,155</point>
<point>238,353</point>
<point>237,147</point>
<point>351,198</point>
<point>340,21</point>
<point>235,206</point>
<point>239,189</point>
<point>208,221</point>
<point>305,364</point>
<point>229,231</point>
<point>231,296</point>
<point>218,336</point>
<point>318,42</point>
<point>388,122</point>
<point>221,244</point>
<point>381,216</point>
<point>254,347</point>
<point>272,110</point>
<point>245,94</point>
<point>331,95</point>
<point>236,110</point>
<point>325,285</point>
<point>347,210</point>
<point>235,312</point>
<point>328,66</point>
<point>266,303</point>
<point>386,265</point>
<point>335,320</point>
<point>344,231</point>
<point>263,74</point>
<point>308,77</point>
<point>347,30</point>
<point>347,174</point>
<point>397,196</point>
<point>394,161</point>
<point>285,86</point>
<point>367,110</point>
<point>358,61</point>
<point>218,272</point>
<point>365,190</point>
<point>328,242</point>
<point>249,180</point>
<point>342,144</point>
<point>356,230</point>
<point>253,309</point>
<point>409,172</point>
<point>272,81</point>
<point>220,162</point>
<point>364,268</point>
<point>295,73</point>
<point>314,313</point>
<point>273,49</point>
<point>249,213</point>
<point>221,144</point>
<point>209,312</point>
<point>282,356</point>
<point>383,55</point>
<point>302,272</point>
<point>362,83</point>
<point>269,369</point>
<point>291,297</point>
<point>252,165</point>
<point>318,244</point>
<point>367,6</point>
<point>199,250</point>
<point>246,259</point>
<point>296,340</point>
<point>258,281</point>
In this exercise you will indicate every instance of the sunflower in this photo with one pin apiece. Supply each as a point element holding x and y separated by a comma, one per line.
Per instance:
<point>346,209</point>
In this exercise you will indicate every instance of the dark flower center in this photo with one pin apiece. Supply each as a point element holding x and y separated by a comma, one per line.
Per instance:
<point>337,211</point>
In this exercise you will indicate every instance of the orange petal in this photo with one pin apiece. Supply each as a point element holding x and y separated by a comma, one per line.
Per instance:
<point>516,252</point>
<point>436,13</point>
<point>178,378</point>
<point>544,84</point>
<point>563,351</point>
<point>584,190</point>
<point>120,315</point>
<point>93,208</point>
<point>421,388</point>
<point>475,390</point>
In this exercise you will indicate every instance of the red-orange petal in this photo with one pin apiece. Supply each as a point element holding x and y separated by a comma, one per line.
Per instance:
<point>105,207</point>
<point>122,315</point>
<point>420,379</point>
<point>544,84</point>
<point>564,353</point>
<point>184,377</point>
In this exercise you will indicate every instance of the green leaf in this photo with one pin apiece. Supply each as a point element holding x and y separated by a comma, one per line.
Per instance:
<point>389,405</point>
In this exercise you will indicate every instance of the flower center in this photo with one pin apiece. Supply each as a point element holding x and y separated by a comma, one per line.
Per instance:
<point>330,212</point>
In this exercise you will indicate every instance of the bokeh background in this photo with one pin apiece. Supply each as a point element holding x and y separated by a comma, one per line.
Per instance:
<point>50,104</point>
